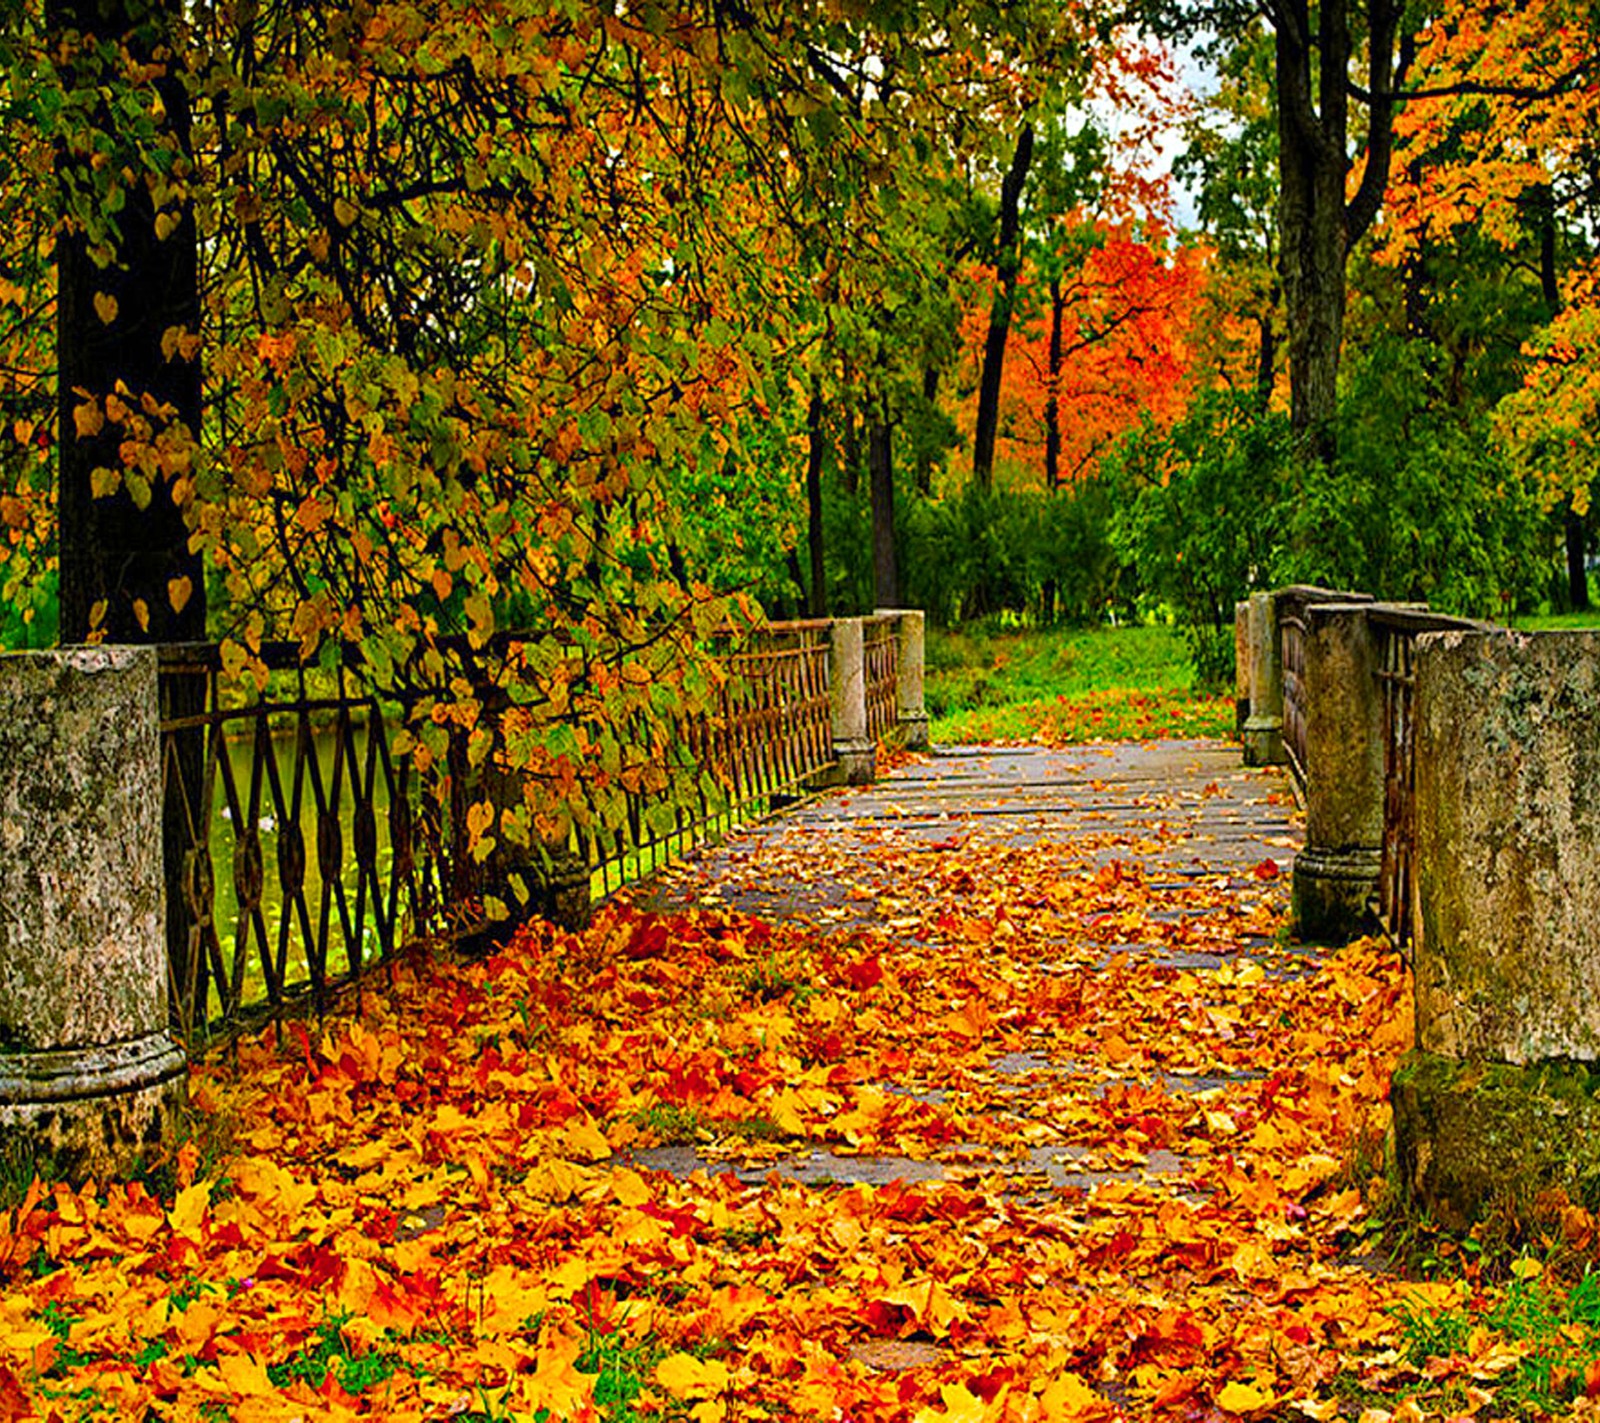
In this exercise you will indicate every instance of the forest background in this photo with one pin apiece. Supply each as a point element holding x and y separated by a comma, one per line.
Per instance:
<point>372,326</point>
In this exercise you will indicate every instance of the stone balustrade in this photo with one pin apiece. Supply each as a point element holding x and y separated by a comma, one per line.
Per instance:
<point>1450,772</point>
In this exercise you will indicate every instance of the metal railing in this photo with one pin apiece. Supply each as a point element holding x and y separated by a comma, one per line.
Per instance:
<point>301,852</point>
<point>1397,629</point>
<point>769,734</point>
<point>882,652</point>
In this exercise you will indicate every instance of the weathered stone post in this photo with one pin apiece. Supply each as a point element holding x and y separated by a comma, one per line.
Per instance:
<point>1497,1102</point>
<point>853,749</point>
<point>1241,665</point>
<point>1336,874</point>
<point>910,659</point>
<point>1263,731</point>
<point>90,1080</point>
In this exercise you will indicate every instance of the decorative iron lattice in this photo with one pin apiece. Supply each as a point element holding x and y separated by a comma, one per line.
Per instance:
<point>303,853</point>
<point>882,642</point>
<point>770,733</point>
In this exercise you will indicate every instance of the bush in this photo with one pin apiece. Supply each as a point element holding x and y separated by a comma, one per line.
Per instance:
<point>1419,506</point>
<point>1043,558</point>
<point>1199,515</point>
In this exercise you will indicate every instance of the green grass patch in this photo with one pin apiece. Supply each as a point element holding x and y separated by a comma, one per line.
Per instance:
<point>327,1352</point>
<point>1064,688</point>
<point>1554,1333</point>
<point>1557,622</point>
<point>622,1372</point>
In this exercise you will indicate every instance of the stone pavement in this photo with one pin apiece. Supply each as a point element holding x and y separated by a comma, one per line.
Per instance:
<point>1206,843</point>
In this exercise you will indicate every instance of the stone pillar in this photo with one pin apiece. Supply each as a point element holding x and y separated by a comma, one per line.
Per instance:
<point>853,749</point>
<point>910,660</point>
<point>91,1082</point>
<point>1336,874</point>
<point>1241,665</point>
<point>1497,1103</point>
<point>1263,731</point>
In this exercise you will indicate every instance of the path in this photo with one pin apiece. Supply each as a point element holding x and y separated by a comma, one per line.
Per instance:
<point>1207,843</point>
<point>1039,1117</point>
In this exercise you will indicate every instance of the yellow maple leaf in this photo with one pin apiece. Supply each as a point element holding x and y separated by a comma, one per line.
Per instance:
<point>1068,1398</point>
<point>629,1187</point>
<point>684,1376</point>
<point>1239,1397</point>
<point>587,1140</point>
<point>961,1405</point>
<point>188,1212</point>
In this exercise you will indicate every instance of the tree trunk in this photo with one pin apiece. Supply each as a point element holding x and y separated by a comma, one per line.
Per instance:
<point>817,594</point>
<point>1052,405</point>
<point>1008,263</point>
<point>127,573</point>
<point>1576,539</point>
<point>880,459</point>
<point>1316,226</point>
<point>125,558</point>
<point>1266,362</point>
<point>1311,150</point>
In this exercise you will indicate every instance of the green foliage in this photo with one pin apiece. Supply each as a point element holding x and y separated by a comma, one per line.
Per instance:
<point>1421,506</point>
<point>1036,555</point>
<point>1198,515</point>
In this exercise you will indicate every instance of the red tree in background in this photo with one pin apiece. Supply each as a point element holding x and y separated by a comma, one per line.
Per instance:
<point>1100,341</point>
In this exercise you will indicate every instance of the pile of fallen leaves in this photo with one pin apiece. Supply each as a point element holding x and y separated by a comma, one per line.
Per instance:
<point>559,1183</point>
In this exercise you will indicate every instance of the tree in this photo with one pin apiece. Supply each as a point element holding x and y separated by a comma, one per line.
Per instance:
<point>485,294</point>
<point>1007,264</point>
<point>1502,153</point>
<point>1325,59</point>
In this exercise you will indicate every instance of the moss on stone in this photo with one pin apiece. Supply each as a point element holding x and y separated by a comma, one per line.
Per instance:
<point>1474,1136</point>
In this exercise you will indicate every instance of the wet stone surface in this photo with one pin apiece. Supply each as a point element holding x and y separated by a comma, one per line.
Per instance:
<point>1182,825</point>
<point>1060,1165</point>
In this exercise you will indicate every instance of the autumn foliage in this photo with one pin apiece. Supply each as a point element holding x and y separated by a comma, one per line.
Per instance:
<point>448,1207</point>
<point>1101,343</point>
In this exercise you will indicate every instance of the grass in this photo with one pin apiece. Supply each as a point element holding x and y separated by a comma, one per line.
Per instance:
<point>1065,687</point>
<point>1557,622</point>
<point>1547,1339</point>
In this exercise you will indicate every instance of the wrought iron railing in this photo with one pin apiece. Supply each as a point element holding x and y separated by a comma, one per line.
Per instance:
<point>302,852</point>
<point>299,849</point>
<point>882,644</point>
<point>1397,629</point>
<point>769,734</point>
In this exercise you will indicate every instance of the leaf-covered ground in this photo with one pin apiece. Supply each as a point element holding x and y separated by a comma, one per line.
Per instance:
<point>1040,1137</point>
